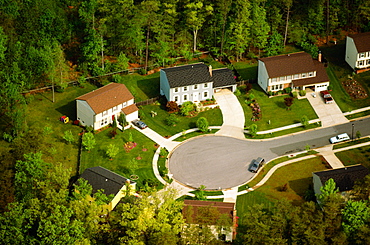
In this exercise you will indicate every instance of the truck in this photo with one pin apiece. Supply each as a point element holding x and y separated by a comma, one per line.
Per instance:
<point>327,97</point>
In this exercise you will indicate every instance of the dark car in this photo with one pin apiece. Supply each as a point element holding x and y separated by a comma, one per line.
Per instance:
<point>139,124</point>
<point>256,164</point>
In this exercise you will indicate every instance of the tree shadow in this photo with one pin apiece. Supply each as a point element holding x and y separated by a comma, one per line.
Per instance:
<point>150,86</point>
<point>300,186</point>
<point>69,110</point>
<point>280,104</point>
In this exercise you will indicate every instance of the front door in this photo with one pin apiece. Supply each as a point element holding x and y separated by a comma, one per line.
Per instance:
<point>195,97</point>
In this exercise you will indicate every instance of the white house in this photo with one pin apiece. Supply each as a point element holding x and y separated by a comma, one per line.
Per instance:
<point>111,183</point>
<point>100,107</point>
<point>358,51</point>
<point>344,178</point>
<point>194,82</point>
<point>296,70</point>
<point>194,210</point>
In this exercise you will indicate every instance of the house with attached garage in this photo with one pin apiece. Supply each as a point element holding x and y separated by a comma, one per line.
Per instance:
<point>194,82</point>
<point>296,71</point>
<point>344,178</point>
<point>109,182</point>
<point>100,107</point>
<point>358,51</point>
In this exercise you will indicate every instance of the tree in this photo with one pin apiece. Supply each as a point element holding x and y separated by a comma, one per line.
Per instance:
<point>171,120</point>
<point>253,130</point>
<point>88,141</point>
<point>275,44</point>
<point>172,106</point>
<point>202,124</point>
<point>133,166</point>
<point>355,215</point>
<point>186,108</point>
<point>329,189</point>
<point>199,193</point>
<point>358,134</point>
<point>68,136</point>
<point>112,151</point>
<point>304,121</point>
<point>122,119</point>
<point>260,28</point>
<point>288,101</point>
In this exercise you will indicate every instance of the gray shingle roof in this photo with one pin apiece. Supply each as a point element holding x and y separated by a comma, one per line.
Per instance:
<point>102,178</point>
<point>345,177</point>
<point>198,73</point>
<point>362,41</point>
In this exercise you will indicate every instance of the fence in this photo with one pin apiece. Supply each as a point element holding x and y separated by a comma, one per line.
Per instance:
<point>147,102</point>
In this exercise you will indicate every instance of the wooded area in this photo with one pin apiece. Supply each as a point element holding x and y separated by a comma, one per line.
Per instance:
<point>51,42</point>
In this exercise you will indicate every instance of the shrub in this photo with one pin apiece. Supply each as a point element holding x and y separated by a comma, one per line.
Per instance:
<point>270,93</point>
<point>186,108</point>
<point>253,130</point>
<point>295,94</point>
<point>163,152</point>
<point>171,120</point>
<point>251,96</point>
<point>302,92</point>
<point>237,92</point>
<point>112,151</point>
<point>288,101</point>
<point>172,106</point>
<point>288,90</point>
<point>141,115</point>
<point>248,87</point>
<point>122,120</point>
<point>304,121</point>
<point>89,129</point>
<point>202,124</point>
<point>68,137</point>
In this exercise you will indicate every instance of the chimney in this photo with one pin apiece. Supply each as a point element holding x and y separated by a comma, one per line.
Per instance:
<point>319,57</point>
<point>210,70</point>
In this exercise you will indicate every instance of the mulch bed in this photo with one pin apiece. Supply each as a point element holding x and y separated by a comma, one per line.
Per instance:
<point>354,89</point>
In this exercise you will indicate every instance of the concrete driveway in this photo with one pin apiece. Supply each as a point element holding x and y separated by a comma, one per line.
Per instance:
<point>329,114</point>
<point>232,113</point>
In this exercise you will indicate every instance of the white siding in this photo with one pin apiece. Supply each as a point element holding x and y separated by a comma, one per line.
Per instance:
<point>263,78</point>
<point>84,113</point>
<point>351,52</point>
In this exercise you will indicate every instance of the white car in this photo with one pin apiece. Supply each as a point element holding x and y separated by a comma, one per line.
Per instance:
<point>339,138</point>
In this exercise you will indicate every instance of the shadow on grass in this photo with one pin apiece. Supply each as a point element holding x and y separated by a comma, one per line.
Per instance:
<point>149,85</point>
<point>300,186</point>
<point>69,110</point>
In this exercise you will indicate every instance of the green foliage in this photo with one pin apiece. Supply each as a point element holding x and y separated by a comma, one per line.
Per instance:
<point>355,215</point>
<point>68,136</point>
<point>288,101</point>
<point>88,141</point>
<point>163,152</point>
<point>172,107</point>
<point>122,119</point>
<point>186,108</point>
<point>202,124</point>
<point>199,193</point>
<point>295,94</point>
<point>130,137</point>
<point>328,190</point>
<point>237,92</point>
<point>47,130</point>
<point>304,121</point>
<point>112,151</point>
<point>302,92</point>
<point>358,134</point>
<point>172,119</point>
<point>253,130</point>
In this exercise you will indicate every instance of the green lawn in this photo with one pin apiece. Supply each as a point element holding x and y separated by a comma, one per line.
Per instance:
<point>158,123</point>
<point>350,143</point>
<point>247,69</point>
<point>274,111</point>
<point>194,134</point>
<point>144,150</point>
<point>359,155</point>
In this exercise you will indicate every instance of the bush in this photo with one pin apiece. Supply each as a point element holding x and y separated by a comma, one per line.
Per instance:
<point>171,120</point>
<point>163,152</point>
<point>270,93</point>
<point>302,92</point>
<point>202,124</point>
<point>237,92</point>
<point>288,90</point>
<point>186,108</point>
<point>172,106</point>
<point>295,94</point>
<point>141,115</point>
<point>248,87</point>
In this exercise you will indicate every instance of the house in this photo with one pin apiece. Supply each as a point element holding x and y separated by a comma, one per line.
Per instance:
<point>296,71</point>
<point>358,51</point>
<point>100,107</point>
<point>111,183</point>
<point>193,208</point>
<point>194,82</point>
<point>344,178</point>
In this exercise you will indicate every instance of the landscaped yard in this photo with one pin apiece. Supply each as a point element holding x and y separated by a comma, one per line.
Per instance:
<point>359,155</point>
<point>158,123</point>
<point>274,111</point>
<point>142,153</point>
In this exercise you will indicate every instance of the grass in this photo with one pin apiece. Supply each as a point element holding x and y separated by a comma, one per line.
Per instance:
<point>298,178</point>
<point>360,155</point>
<point>121,163</point>
<point>350,143</point>
<point>248,70</point>
<point>284,132</point>
<point>210,193</point>
<point>158,123</point>
<point>358,115</point>
<point>194,134</point>
<point>274,111</point>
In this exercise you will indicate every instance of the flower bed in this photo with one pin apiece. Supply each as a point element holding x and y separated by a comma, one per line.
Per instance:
<point>354,89</point>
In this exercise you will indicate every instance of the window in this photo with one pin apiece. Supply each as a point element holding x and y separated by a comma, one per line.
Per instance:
<point>105,113</point>
<point>367,62</point>
<point>176,90</point>
<point>114,108</point>
<point>273,80</point>
<point>176,98</point>
<point>310,74</point>
<point>185,97</point>
<point>296,76</point>
<point>205,94</point>
<point>277,87</point>
<point>289,77</point>
<point>124,104</point>
<point>102,122</point>
<point>185,89</point>
<point>304,75</point>
<point>362,55</point>
<point>360,63</point>
<point>282,79</point>
<point>106,120</point>
<point>196,86</point>
<point>205,85</point>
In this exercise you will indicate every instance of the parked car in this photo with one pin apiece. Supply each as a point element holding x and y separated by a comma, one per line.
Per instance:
<point>256,164</point>
<point>339,138</point>
<point>327,97</point>
<point>139,124</point>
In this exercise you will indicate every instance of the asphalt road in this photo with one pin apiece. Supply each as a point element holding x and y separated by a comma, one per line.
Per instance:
<point>220,162</point>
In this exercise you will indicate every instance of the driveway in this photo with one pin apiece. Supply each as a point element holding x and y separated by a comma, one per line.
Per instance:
<point>232,113</point>
<point>329,114</point>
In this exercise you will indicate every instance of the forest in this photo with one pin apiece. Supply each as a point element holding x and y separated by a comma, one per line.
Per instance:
<point>54,42</point>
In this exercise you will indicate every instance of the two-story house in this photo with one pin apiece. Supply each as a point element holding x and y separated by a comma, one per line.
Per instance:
<point>100,107</point>
<point>111,183</point>
<point>194,82</point>
<point>358,51</point>
<point>296,70</point>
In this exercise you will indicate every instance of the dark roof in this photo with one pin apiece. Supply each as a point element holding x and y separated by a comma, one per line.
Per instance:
<point>223,77</point>
<point>107,97</point>
<point>345,177</point>
<point>362,41</point>
<point>102,178</point>
<point>198,73</point>
<point>321,76</point>
<point>222,207</point>
<point>288,64</point>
